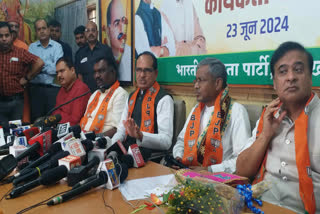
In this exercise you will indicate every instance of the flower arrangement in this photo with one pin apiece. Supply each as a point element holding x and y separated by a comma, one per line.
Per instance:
<point>192,196</point>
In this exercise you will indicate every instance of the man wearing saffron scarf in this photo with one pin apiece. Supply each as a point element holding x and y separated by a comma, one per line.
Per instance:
<point>148,116</point>
<point>217,128</point>
<point>107,103</point>
<point>284,148</point>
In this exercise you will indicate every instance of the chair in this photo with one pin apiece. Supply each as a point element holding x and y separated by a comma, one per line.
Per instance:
<point>254,112</point>
<point>179,118</point>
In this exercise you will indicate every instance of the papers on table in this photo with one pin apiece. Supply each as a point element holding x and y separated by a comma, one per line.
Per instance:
<point>143,187</point>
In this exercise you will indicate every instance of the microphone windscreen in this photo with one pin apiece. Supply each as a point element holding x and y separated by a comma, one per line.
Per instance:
<point>56,147</point>
<point>146,153</point>
<point>12,126</point>
<point>122,171</point>
<point>127,159</point>
<point>101,142</point>
<point>88,145</point>
<point>54,159</point>
<point>76,129</point>
<point>51,176</point>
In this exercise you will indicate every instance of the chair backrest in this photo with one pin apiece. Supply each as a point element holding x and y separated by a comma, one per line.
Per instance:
<point>179,119</point>
<point>254,112</point>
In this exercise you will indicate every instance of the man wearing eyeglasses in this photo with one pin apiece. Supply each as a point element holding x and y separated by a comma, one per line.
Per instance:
<point>87,55</point>
<point>217,128</point>
<point>106,104</point>
<point>147,119</point>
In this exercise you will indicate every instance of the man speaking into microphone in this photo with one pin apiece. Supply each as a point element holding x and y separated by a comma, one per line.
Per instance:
<point>71,87</point>
<point>106,104</point>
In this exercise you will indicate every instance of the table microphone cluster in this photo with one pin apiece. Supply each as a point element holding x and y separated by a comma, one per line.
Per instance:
<point>46,152</point>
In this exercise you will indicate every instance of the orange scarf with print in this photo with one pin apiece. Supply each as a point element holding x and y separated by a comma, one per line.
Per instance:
<point>302,160</point>
<point>147,111</point>
<point>213,151</point>
<point>98,122</point>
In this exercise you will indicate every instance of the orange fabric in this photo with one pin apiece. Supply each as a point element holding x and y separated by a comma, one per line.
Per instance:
<point>20,44</point>
<point>213,146</point>
<point>302,160</point>
<point>147,111</point>
<point>98,122</point>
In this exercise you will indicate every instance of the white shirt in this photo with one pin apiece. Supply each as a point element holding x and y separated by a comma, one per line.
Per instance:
<point>234,139</point>
<point>160,141</point>
<point>114,111</point>
<point>142,43</point>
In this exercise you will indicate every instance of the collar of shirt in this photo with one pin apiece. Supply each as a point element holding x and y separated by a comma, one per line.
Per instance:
<point>38,43</point>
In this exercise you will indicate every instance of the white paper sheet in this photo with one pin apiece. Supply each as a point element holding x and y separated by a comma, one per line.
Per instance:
<point>142,188</point>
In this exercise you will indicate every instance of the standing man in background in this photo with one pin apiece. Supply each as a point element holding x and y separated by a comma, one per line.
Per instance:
<point>15,28</point>
<point>55,34</point>
<point>80,38</point>
<point>44,87</point>
<point>87,55</point>
<point>13,75</point>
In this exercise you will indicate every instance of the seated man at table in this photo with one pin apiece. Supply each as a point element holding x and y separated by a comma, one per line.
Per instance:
<point>71,87</point>
<point>147,119</point>
<point>217,128</point>
<point>107,103</point>
<point>284,148</point>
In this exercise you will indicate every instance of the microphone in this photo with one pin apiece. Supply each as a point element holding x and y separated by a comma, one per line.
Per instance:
<point>48,178</point>
<point>48,121</point>
<point>73,99</point>
<point>36,172</point>
<point>128,160</point>
<point>76,129</point>
<point>77,174</point>
<point>172,161</point>
<point>122,171</point>
<point>101,179</point>
<point>45,140</point>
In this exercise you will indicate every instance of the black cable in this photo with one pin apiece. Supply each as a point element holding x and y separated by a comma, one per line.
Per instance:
<point>44,202</point>
<point>104,201</point>
<point>6,194</point>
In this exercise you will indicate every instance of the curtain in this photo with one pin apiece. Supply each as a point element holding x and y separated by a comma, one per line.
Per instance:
<point>70,16</point>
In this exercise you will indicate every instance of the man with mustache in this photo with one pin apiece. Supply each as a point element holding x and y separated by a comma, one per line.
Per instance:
<point>116,31</point>
<point>87,55</point>
<point>44,87</point>
<point>107,103</point>
<point>147,119</point>
<point>284,148</point>
<point>13,75</point>
<point>217,128</point>
<point>71,87</point>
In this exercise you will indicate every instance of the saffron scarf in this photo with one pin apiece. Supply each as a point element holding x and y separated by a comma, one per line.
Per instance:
<point>98,121</point>
<point>302,160</point>
<point>207,148</point>
<point>147,111</point>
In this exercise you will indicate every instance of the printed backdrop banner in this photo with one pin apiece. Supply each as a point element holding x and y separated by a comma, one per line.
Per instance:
<point>115,30</point>
<point>241,33</point>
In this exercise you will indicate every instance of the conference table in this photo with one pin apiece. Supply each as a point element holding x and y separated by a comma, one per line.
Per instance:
<point>92,201</point>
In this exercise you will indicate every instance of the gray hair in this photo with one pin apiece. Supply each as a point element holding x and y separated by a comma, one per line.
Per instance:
<point>216,68</point>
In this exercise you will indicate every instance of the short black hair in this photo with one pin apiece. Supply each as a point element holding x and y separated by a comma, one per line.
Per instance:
<point>108,16</point>
<point>154,59</point>
<point>216,68</point>
<point>285,48</point>
<point>66,60</point>
<point>79,30</point>
<point>54,23</point>
<point>111,62</point>
<point>5,24</point>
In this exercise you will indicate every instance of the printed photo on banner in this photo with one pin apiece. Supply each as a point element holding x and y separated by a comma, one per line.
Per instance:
<point>115,23</point>
<point>241,33</point>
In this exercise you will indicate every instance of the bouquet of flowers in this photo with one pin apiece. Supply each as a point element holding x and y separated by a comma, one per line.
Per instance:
<point>194,196</point>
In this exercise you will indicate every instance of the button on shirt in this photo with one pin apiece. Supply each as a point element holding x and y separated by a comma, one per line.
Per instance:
<point>49,55</point>
<point>85,59</point>
<point>12,66</point>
